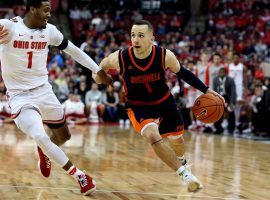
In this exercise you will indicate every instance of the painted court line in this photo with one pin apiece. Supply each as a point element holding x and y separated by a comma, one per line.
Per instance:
<point>113,191</point>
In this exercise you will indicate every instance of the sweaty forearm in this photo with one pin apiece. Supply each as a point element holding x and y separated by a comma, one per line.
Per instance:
<point>191,79</point>
<point>81,57</point>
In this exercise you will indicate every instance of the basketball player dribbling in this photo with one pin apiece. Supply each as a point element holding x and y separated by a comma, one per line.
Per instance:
<point>24,51</point>
<point>150,105</point>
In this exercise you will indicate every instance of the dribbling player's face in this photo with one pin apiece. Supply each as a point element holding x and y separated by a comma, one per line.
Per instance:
<point>141,39</point>
<point>42,14</point>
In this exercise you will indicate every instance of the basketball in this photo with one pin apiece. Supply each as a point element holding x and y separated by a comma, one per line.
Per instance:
<point>208,108</point>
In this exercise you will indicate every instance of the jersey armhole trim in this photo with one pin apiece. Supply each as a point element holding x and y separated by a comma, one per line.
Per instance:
<point>122,62</point>
<point>163,54</point>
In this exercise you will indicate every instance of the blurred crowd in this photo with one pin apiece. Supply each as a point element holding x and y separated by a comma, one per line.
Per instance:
<point>232,56</point>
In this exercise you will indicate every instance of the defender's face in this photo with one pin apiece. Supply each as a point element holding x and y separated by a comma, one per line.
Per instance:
<point>141,38</point>
<point>42,14</point>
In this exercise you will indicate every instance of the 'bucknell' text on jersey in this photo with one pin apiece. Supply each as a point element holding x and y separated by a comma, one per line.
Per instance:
<point>144,80</point>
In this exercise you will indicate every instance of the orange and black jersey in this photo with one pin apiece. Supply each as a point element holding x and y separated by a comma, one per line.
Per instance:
<point>144,80</point>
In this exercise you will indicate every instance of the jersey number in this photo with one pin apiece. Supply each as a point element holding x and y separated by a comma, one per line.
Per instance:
<point>148,87</point>
<point>30,57</point>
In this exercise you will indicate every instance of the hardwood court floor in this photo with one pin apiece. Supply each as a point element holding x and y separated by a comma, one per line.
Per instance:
<point>126,168</point>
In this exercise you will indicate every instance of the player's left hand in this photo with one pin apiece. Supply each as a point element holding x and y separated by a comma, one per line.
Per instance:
<point>104,78</point>
<point>4,35</point>
<point>216,94</point>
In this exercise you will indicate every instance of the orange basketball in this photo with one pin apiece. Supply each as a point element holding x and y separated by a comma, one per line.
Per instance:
<point>208,108</point>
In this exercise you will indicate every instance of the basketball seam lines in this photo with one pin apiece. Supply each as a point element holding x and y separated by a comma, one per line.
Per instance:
<point>207,107</point>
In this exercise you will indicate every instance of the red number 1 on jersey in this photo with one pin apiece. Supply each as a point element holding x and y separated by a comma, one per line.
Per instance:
<point>30,57</point>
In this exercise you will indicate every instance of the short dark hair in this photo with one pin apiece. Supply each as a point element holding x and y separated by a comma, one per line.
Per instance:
<point>144,22</point>
<point>217,54</point>
<point>223,69</point>
<point>34,3</point>
<point>237,54</point>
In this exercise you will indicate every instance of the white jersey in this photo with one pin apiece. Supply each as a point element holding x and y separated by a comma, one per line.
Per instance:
<point>201,72</point>
<point>236,72</point>
<point>24,58</point>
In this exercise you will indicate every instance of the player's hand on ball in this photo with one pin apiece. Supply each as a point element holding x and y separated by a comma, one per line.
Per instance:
<point>216,94</point>
<point>4,35</point>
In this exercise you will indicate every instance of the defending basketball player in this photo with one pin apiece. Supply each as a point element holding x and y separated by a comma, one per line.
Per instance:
<point>24,50</point>
<point>150,105</point>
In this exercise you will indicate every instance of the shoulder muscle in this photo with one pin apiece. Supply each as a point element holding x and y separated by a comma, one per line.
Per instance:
<point>111,61</point>
<point>171,61</point>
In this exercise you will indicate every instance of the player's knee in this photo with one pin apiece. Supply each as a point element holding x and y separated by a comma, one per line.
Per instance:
<point>152,134</point>
<point>44,142</point>
<point>65,137</point>
<point>32,129</point>
<point>176,138</point>
<point>61,133</point>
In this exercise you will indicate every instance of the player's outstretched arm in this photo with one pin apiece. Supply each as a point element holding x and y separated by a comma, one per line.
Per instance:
<point>109,62</point>
<point>82,58</point>
<point>4,35</point>
<point>186,75</point>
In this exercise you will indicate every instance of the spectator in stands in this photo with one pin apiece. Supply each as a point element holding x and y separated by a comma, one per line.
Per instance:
<point>136,16</point>
<point>249,47</point>
<point>229,58</point>
<point>62,86</point>
<point>94,106</point>
<point>74,110</point>
<point>260,47</point>
<point>213,69</point>
<point>9,14</point>
<point>81,90</point>
<point>267,103</point>
<point>244,122</point>
<point>260,110</point>
<point>57,58</point>
<point>5,112</point>
<point>75,14</point>
<point>236,71</point>
<point>121,111</point>
<point>225,85</point>
<point>111,100</point>
<point>85,13</point>
<point>175,24</point>
<point>227,11</point>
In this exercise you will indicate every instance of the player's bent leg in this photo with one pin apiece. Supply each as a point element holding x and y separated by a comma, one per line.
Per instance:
<point>163,151</point>
<point>30,122</point>
<point>60,133</point>
<point>27,121</point>
<point>178,145</point>
<point>168,156</point>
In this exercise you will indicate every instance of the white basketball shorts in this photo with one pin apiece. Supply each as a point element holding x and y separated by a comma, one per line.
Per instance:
<point>42,98</point>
